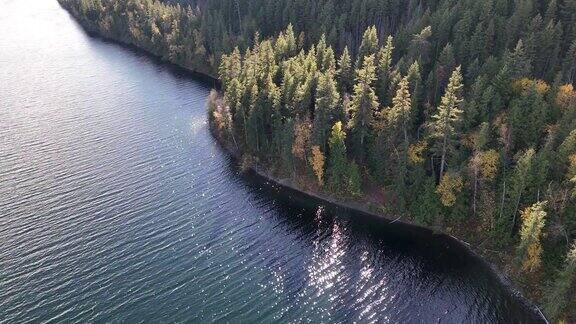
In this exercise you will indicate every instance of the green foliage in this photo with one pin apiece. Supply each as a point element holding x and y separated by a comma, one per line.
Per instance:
<point>514,190</point>
<point>426,205</point>
<point>354,180</point>
<point>558,297</point>
<point>345,71</point>
<point>384,69</point>
<point>337,162</point>
<point>327,110</point>
<point>505,69</point>
<point>368,47</point>
<point>443,125</point>
<point>363,106</point>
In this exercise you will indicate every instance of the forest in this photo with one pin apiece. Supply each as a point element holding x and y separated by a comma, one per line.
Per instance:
<point>457,115</point>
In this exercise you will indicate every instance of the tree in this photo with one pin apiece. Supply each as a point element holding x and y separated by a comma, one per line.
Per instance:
<point>368,47</point>
<point>301,139</point>
<point>326,110</point>
<point>445,120</point>
<point>399,113</point>
<point>484,166</point>
<point>364,105</point>
<point>354,180</point>
<point>318,164</point>
<point>230,67</point>
<point>398,121</point>
<point>449,187</point>
<point>383,69</point>
<point>426,205</point>
<point>558,296</point>
<point>530,247</point>
<point>345,71</point>
<point>514,188</point>
<point>566,96</point>
<point>420,45</point>
<point>337,162</point>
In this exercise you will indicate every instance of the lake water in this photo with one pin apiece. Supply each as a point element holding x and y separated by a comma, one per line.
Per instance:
<point>117,205</point>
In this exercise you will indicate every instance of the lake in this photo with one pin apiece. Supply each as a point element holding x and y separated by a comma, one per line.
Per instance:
<point>117,205</point>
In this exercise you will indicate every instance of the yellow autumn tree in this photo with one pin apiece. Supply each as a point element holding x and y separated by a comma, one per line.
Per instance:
<point>525,84</point>
<point>572,166</point>
<point>416,152</point>
<point>530,248</point>
<point>484,167</point>
<point>318,164</point>
<point>489,162</point>
<point>448,188</point>
<point>565,96</point>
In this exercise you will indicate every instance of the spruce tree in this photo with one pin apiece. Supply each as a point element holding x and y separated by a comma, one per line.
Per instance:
<point>383,70</point>
<point>398,121</point>
<point>345,71</point>
<point>444,122</point>
<point>558,296</point>
<point>337,162</point>
<point>364,105</point>
<point>368,47</point>
<point>326,110</point>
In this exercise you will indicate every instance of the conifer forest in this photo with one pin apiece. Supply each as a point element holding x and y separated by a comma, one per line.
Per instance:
<point>458,115</point>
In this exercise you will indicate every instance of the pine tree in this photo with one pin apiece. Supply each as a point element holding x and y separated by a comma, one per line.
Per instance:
<point>230,67</point>
<point>426,205</point>
<point>368,47</point>
<point>345,71</point>
<point>337,162</point>
<point>444,121</point>
<point>327,109</point>
<point>399,113</point>
<point>514,188</point>
<point>354,180</point>
<point>398,120</point>
<point>383,69</point>
<point>364,105</point>
<point>558,296</point>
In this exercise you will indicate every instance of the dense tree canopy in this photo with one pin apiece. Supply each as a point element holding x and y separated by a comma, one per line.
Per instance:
<point>462,112</point>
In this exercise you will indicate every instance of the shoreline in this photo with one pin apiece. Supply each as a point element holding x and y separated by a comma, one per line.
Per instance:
<point>356,207</point>
<point>287,184</point>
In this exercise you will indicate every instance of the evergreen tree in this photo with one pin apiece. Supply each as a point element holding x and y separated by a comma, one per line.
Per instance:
<point>558,295</point>
<point>354,180</point>
<point>326,111</point>
<point>383,70</point>
<point>337,162</point>
<point>514,188</point>
<point>444,121</point>
<point>399,121</point>
<point>364,105</point>
<point>368,47</point>
<point>345,71</point>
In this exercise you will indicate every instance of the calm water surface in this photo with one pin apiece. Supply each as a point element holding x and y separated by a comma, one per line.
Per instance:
<point>117,205</point>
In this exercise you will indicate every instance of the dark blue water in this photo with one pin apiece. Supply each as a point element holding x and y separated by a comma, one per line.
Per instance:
<point>117,205</point>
